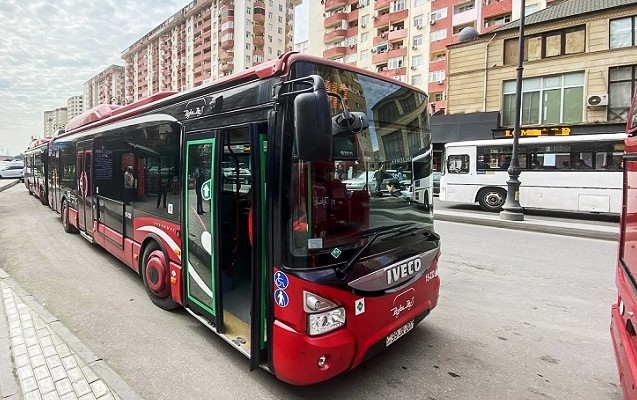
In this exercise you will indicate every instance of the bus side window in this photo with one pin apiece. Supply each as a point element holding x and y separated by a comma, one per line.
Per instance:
<point>458,164</point>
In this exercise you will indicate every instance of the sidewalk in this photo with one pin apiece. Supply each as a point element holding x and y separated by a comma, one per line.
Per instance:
<point>42,359</point>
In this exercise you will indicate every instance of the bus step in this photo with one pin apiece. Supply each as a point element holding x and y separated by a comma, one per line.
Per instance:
<point>87,237</point>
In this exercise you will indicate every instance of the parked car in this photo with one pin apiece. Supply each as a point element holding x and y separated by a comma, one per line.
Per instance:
<point>359,182</point>
<point>12,171</point>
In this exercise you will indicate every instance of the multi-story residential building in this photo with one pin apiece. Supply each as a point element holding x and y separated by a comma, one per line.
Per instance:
<point>74,106</point>
<point>207,40</point>
<point>301,47</point>
<point>54,120</point>
<point>580,70</point>
<point>105,87</point>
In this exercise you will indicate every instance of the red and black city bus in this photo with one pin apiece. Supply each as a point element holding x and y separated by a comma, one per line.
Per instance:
<point>623,322</point>
<point>36,168</point>
<point>228,200</point>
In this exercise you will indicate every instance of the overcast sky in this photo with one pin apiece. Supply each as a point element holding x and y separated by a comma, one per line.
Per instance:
<point>49,49</point>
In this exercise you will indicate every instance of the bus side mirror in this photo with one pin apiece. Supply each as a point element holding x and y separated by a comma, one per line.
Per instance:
<point>313,126</point>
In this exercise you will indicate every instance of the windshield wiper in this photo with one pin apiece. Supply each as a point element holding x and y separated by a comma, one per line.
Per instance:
<point>341,271</point>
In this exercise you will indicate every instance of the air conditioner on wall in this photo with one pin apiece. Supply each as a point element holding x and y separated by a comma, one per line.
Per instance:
<point>440,82</point>
<point>597,100</point>
<point>413,67</point>
<point>433,21</point>
<point>414,47</point>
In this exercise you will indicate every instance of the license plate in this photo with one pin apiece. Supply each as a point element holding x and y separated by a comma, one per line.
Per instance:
<point>398,333</point>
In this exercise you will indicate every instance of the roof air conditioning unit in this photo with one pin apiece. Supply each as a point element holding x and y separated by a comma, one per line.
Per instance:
<point>413,67</point>
<point>433,21</point>
<point>597,100</point>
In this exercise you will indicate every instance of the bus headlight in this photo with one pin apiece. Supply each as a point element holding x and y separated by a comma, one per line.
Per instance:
<point>323,315</point>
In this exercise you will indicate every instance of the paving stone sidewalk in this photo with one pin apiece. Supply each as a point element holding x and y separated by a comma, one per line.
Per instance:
<point>37,360</point>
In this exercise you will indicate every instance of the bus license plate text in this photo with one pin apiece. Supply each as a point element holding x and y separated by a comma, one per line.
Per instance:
<point>398,333</point>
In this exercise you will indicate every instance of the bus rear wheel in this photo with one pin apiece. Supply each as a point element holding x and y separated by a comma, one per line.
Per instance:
<point>492,199</point>
<point>66,224</point>
<point>156,276</point>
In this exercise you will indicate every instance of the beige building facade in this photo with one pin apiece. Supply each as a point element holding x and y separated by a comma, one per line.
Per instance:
<point>54,120</point>
<point>580,68</point>
<point>107,87</point>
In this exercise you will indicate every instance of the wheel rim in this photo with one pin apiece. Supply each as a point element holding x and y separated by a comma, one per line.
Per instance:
<point>156,274</point>
<point>493,199</point>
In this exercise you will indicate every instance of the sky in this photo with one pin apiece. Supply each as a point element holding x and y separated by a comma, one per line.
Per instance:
<point>49,49</point>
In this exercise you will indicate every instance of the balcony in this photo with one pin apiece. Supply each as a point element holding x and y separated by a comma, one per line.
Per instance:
<point>464,17</point>
<point>380,39</point>
<point>258,18</point>
<point>352,16</point>
<point>391,73</point>
<point>258,41</point>
<point>381,4</point>
<point>227,67</point>
<point>397,34</point>
<point>221,34</point>
<point>390,18</point>
<point>334,20</point>
<point>226,56</point>
<point>335,36</point>
<point>380,58</point>
<point>334,52</point>
<point>493,8</point>
<point>333,4</point>
<point>227,44</point>
<point>258,29</point>
<point>402,52</point>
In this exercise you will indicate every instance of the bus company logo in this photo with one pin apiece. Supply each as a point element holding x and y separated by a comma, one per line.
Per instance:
<point>195,108</point>
<point>400,272</point>
<point>402,302</point>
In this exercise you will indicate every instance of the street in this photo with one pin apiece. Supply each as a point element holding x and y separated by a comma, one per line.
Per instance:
<point>521,315</point>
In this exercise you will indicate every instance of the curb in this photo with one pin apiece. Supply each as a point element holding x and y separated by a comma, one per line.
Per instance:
<point>7,186</point>
<point>576,230</point>
<point>99,366</point>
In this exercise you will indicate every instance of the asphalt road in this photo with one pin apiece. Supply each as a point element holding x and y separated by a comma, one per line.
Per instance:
<point>522,315</point>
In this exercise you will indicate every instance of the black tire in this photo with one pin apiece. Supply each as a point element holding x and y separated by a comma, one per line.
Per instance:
<point>425,201</point>
<point>156,276</point>
<point>492,199</point>
<point>66,224</point>
<point>43,199</point>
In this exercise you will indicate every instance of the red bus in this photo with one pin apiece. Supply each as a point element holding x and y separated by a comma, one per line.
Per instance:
<point>229,201</point>
<point>623,319</point>
<point>35,169</point>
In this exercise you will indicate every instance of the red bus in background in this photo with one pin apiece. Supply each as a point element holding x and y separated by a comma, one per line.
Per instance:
<point>36,169</point>
<point>623,321</point>
<point>229,201</point>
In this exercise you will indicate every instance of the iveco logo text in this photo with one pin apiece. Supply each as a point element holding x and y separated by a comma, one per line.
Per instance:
<point>404,270</point>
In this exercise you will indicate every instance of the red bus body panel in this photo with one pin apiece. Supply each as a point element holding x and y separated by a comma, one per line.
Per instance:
<point>296,355</point>
<point>623,322</point>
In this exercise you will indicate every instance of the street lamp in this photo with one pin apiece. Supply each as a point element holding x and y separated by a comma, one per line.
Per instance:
<point>511,210</point>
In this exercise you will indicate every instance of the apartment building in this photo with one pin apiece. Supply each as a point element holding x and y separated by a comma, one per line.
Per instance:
<point>54,120</point>
<point>207,40</point>
<point>107,87</point>
<point>580,70</point>
<point>406,39</point>
<point>74,106</point>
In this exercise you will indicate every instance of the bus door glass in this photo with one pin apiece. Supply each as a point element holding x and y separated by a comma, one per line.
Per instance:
<point>84,190</point>
<point>218,218</point>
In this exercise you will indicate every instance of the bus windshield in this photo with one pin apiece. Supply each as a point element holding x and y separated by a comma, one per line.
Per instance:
<point>335,204</point>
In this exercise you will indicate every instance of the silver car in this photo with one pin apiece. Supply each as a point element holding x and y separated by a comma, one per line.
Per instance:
<point>12,171</point>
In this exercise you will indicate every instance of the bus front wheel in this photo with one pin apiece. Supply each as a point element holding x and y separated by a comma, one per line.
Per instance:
<point>156,276</point>
<point>492,199</point>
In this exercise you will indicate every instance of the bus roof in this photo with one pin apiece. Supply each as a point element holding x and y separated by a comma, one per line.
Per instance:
<point>543,139</point>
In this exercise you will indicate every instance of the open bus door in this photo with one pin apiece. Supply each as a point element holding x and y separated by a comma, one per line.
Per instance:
<point>84,189</point>
<point>224,268</point>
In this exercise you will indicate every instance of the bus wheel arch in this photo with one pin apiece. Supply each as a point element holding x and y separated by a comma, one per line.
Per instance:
<point>491,198</point>
<point>155,274</point>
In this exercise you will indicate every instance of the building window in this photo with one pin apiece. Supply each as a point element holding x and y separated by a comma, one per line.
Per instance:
<point>439,14</point>
<point>364,37</point>
<point>416,80</point>
<point>621,86</point>
<point>397,5</point>
<point>440,34</point>
<point>462,7</point>
<point>548,100</point>
<point>623,32</point>
<point>437,76</point>
<point>416,60</point>
<point>418,3</point>
<point>546,45</point>
<point>438,96</point>
<point>439,56</point>
<point>365,20</point>
<point>417,40</point>
<point>395,63</point>
<point>364,54</point>
<point>393,145</point>
<point>530,9</point>
<point>280,30</point>
<point>248,10</point>
<point>419,20</point>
